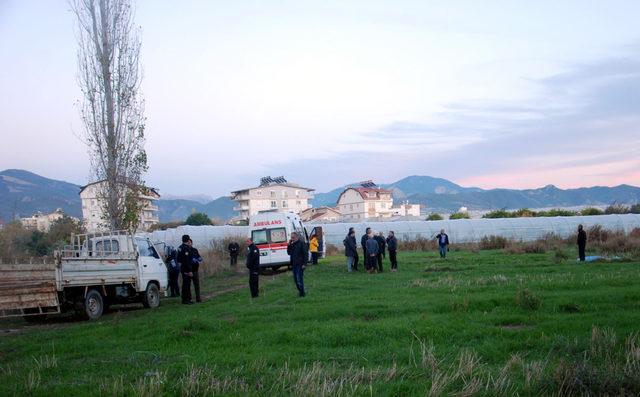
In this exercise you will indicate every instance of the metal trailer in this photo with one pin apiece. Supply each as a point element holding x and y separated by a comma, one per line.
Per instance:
<point>96,270</point>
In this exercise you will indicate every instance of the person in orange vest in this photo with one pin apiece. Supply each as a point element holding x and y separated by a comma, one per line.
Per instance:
<point>313,248</point>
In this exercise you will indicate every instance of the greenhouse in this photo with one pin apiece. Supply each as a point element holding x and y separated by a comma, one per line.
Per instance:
<point>459,231</point>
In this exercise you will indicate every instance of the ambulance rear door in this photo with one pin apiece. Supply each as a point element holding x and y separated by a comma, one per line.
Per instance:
<point>260,238</point>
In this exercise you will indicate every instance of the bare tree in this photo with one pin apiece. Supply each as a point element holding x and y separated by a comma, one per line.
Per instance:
<point>111,109</point>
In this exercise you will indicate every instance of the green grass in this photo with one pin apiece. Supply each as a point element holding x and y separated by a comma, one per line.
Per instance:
<point>483,323</point>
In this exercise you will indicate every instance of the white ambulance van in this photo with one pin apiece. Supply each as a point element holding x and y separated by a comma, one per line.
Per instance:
<point>271,232</point>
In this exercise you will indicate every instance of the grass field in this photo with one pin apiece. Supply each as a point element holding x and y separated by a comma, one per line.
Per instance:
<point>486,323</point>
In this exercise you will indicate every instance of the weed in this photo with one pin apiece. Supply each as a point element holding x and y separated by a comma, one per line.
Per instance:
<point>493,242</point>
<point>527,300</point>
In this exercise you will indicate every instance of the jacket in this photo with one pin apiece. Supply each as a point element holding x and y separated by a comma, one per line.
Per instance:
<point>363,241</point>
<point>253,258</point>
<point>392,243</point>
<point>582,237</point>
<point>372,247</point>
<point>350,246</point>
<point>196,259</point>
<point>381,244</point>
<point>233,248</point>
<point>446,239</point>
<point>297,251</point>
<point>184,258</point>
<point>313,245</point>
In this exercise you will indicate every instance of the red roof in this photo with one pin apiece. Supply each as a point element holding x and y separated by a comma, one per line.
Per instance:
<point>364,191</point>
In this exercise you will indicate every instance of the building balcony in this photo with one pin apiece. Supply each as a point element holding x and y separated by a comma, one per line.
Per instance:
<point>242,207</point>
<point>240,197</point>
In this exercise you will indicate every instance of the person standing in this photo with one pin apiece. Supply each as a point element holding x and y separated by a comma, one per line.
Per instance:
<point>443,243</point>
<point>196,260</point>
<point>372,253</point>
<point>350,250</point>
<point>363,243</point>
<point>184,259</point>
<point>174,272</point>
<point>582,242</point>
<point>381,249</point>
<point>253,264</point>
<point>298,257</point>
<point>313,248</point>
<point>356,258</point>
<point>234,250</point>
<point>392,246</point>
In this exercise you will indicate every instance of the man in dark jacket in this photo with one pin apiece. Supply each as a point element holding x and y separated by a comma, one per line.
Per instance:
<point>363,243</point>
<point>253,264</point>
<point>372,252</point>
<point>443,243</point>
<point>184,259</point>
<point>298,257</point>
<point>381,249</point>
<point>356,258</point>
<point>234,250</point>
<point>582,242</point>
<point>174,272</point>
<point>196,260</point>
<point>351,250</point>
<point>392,246</point>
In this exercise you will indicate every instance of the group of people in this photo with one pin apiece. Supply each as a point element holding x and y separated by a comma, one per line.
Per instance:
<point>298,257</point>
<point>374,247</point>
<point>185,261</point>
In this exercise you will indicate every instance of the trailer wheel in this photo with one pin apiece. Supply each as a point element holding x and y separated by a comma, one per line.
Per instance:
<point>151,297</point>
<point>93,305</point>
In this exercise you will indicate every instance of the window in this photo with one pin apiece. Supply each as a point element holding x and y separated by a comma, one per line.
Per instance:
<point>351,206</point>
<point>372,206</point>
<point>285,194</point>
<point>274,204</point>
<point>297,193</point>
<point>278,235</point>
<point>383,205</point>
<point>273,193</point>
<point>298,202</point>
<point>145,249</point>
<point>259,236</point>
<point>284,204</point>
<point>258,192</point>
<point>108,246</point>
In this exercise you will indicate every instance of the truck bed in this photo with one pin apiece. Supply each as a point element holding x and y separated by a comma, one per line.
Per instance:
<point>81,272</point>
<point>27,289</point>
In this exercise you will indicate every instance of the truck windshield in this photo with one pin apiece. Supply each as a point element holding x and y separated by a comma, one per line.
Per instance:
<point>259,236</point>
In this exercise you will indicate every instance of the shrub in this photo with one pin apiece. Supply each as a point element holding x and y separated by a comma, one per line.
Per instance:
<point>459,215</point>
<point>527,300</point>
<point>165,226</point>
<point>525,213</point>
<point>616,208</point>
<point>493,242</point>
<point>418,244</point>
<point>535,247</point>
<point>435,217</point>
<point>557,212</point>
<point>332,249</point>
<point>503,213</point>
<point>560,255</point>
<point>198,219</point>
<point>591,211</point>
<point>635,209</point>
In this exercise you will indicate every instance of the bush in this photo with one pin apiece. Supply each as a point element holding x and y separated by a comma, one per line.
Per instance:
<point>560,255</point>
<point>591,211</point>
<point>165,226</point>
<point>635,209</point>
<point>435,217</point>
<point>493,242</point>
<point>527,300</point>
<point>198,219</point>
<point>503,213</point>
<point>616,208</point>
<point>459,215</point>
<point>557,212</point>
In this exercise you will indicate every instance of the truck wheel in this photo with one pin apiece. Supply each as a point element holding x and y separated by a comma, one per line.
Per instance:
<point>151,297</point>
<point>275,268</point>
<point>93,305</point>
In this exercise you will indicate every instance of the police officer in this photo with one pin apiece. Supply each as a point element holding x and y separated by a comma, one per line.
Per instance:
<point>184,259</point>
<point>363,243</point>
<point>253,264</point>
<point>298,257</point>
<point>196,260</point>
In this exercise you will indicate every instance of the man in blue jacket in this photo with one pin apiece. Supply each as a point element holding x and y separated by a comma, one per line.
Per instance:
<point>372,253</point>
<point>443,243</point>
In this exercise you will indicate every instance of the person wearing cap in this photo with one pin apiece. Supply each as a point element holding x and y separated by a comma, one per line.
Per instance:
<point>184,258</point>
<point>253,264</point>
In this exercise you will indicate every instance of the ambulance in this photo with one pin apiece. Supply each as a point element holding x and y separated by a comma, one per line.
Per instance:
<point>271,231</point>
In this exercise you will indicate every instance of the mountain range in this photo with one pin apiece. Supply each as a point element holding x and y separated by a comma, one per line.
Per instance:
<point>23,193</point>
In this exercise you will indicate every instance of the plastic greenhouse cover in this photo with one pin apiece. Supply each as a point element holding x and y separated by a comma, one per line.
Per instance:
<point>459,231</point>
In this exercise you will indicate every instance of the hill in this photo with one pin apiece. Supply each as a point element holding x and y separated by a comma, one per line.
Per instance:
<point>23,193</point>
<point>180,209</point>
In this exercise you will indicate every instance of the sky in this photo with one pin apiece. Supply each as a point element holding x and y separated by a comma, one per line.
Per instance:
<point>515,94</point>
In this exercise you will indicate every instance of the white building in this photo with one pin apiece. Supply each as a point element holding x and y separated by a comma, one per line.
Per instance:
<point>365,201</point>
<point>42,222</point>
<point>406,209</point>
<point>92,208</point>
<point>324,214</point>
<point>272,194</point>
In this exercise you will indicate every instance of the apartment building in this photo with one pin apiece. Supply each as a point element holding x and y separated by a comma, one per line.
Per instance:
<point>275,194</point>
<point>92,208</point>
<point>365,201</point>
<point>321,214</point>
<point>42,222</point>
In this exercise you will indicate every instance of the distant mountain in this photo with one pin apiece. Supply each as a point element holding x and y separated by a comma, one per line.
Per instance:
<point>180,209</point>
<point>200,198</point>
<point>23,193</point>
